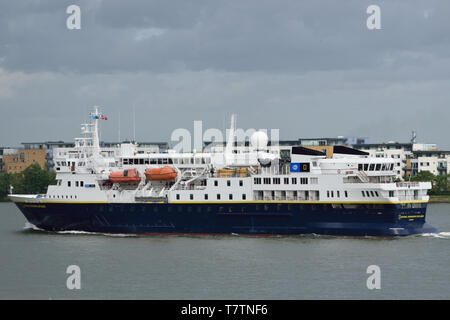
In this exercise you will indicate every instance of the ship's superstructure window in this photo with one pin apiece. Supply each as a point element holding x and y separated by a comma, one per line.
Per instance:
<point>363,193</point>
<point>266,180</point>
<point>216,183</point>
<point>338,194</point>
<point>241,183</point>
<point>257,180</point>
<point>276,180</point>
<point>244,196</point>
<point>230,196</point>
<point>391,194</point>
<point>218,196</point>
<point>228,183</point>
<point>303,180</point>
<point>68,183</point>
<point>286,180</point>
<point>191,196</point>
<point>206,196</point>
<point>294,180</point>
<point>346,194</point>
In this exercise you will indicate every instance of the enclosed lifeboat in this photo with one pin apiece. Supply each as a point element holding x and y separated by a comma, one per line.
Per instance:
<point>166,173</point>
<point>129,176</point>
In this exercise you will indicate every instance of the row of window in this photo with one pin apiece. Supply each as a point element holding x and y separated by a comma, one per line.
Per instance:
<point>62,197</point>
<point>376,167</point>
<point>216,183</point>
<point>330,194</point>
<point>77,184</point>
<point>167,161</point>
<point>285,180</point>
<point>206,196</point>
<point>369,194</point>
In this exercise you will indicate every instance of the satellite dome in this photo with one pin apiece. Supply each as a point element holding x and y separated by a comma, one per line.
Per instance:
<point>259,140</point>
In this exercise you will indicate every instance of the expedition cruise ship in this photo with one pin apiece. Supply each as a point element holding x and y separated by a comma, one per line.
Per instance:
<point>228,192</point>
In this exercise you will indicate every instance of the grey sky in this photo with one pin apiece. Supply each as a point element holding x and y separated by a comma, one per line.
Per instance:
<point>309,68</point>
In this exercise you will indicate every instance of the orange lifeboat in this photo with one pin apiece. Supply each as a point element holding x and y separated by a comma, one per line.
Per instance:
<point>127,176</point>
<point>166,173</point>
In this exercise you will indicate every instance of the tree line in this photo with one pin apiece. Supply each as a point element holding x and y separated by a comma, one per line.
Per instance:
<point>32,180</point>
<point>440,183</point>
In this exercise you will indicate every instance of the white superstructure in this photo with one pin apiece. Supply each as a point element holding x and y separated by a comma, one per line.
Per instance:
<point>349,177</point>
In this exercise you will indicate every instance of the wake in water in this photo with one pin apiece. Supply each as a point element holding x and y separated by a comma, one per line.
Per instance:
<point>32,227</point>
<point>440,235</point>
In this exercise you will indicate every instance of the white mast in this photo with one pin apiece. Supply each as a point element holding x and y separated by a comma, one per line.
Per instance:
<point>228,154</point>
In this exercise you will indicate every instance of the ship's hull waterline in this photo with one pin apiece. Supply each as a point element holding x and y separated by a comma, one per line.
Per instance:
<point>255,218</point>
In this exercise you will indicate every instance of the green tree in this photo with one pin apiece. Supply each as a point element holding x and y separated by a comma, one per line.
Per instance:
<point>441,184</point>
<point>423,176</point>
<point>5,181</point>
<point>32,180</point>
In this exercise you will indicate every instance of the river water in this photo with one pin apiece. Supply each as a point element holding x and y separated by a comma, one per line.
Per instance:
<point>34,264</point>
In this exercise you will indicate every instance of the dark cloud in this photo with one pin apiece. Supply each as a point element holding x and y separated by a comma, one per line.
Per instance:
<point>253,35</point>
<point>309,68</point>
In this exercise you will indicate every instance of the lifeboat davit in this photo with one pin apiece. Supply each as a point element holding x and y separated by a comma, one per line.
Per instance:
<point>127,176</point>
<point>166,173</point>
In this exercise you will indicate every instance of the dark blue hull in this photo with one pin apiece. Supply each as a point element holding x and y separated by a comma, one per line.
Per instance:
<point>229,218</point>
